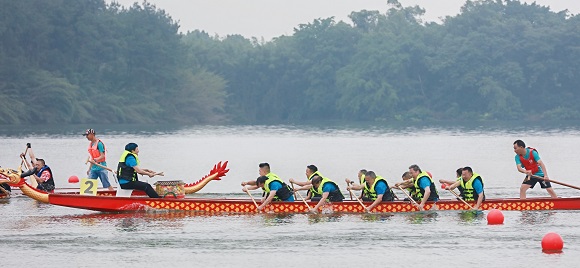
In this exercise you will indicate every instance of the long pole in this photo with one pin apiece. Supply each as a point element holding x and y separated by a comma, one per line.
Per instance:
<point>410,198</point>
<point>253,200</point>
<point>557,182</point>
<point>459,197</point>
<point>303,200</point>
<point>357,199</point>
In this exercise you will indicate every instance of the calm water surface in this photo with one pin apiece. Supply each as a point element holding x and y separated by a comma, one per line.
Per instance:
<point>35,234</point>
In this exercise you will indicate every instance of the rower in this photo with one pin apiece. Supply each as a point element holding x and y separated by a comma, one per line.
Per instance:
<point>361,179</point>
<point>407,184</point>
<point>328,191</point>
<point>274,190</point>
<point>424,186</point>
<point>264,170</point>
<point>528,162</point>
<point>311,171</point>
<point>42,172</point>
<point>472,185</point>
<point>458,173</point>
<point>376,189</point>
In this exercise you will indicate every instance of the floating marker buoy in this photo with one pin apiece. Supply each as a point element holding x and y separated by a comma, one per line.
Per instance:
<point>495,216</point>
<point>73,179</point>
<point>552,243</point>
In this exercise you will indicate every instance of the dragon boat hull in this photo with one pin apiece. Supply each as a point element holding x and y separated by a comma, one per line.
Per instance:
<point>132,204</point>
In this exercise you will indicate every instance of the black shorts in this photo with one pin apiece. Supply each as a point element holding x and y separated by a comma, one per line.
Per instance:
<point>532,181</point>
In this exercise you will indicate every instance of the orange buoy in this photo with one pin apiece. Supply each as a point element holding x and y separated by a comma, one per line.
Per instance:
<point>73,179</point>
<point>552,243</point>
<point>495,216</point>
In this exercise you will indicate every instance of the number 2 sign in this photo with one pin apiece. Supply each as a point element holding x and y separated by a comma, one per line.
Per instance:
<point>89,186</point>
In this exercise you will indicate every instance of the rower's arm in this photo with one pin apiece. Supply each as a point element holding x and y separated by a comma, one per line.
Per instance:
<point>268,200</point>
<point>143,171</point>
<point>479,201</point>
<point>300,183</point>
<point>355,187</point>
<point>453,185</point>
<point>521,169</point>
<point>307,187</point>
<point>425,197</point>
<point>376,202</point>
<point>450,182</point>
<point>244,183</point>
<point>322,201</point>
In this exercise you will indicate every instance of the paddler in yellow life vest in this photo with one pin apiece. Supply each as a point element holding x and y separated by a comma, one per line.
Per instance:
<point>129,167</point>
<point>424,186</point>
<point>376,189</point>
<point>328,191</point>
<point>407,184</point>
<point>311,171</point>
<point>458,173</point>
<point>264,170</point>
<point>274,190</point>
<point>472,185</point>
<point>361,181</point>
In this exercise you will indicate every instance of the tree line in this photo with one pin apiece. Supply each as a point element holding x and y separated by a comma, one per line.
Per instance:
<point>70,61</point>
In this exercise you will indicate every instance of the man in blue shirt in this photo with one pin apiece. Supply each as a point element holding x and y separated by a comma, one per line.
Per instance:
<point>274,188</point>
<point>375,189</point>
<point>328,189</point>
<point>528,162</point>
<point>425,189</point>
<point>128,169</point>
<point>472,185</point>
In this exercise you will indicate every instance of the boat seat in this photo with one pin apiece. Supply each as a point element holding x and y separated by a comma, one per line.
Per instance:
<point>123,192</point>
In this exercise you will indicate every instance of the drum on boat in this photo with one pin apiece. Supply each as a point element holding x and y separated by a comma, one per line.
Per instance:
<point>170,189</point>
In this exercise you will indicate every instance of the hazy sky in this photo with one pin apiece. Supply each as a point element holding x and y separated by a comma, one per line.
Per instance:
<point>272,18</point>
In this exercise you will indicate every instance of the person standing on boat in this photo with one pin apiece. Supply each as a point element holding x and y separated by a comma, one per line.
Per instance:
<point>128,168</point>
<point>327,190</point>
<point>361,178</point>
<point>42,172</point>
<point>311,171</point>
<point>97,154</point>
<point>274,190</point>
<point>528,162</point>
<point>375,189</point>
<point>424,186</point>
<point>472,185</point>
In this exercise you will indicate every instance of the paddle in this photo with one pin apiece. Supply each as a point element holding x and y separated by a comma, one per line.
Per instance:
<point>443,186</point>
<point>303,200</point>
<point>253,200</point>
<point>557,182</point>
<point>360,202</point>
<point>293,191</point>
<point>349,192</point>
<point>410,198</point>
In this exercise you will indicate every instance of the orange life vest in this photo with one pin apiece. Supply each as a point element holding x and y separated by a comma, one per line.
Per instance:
<point>94,150</point>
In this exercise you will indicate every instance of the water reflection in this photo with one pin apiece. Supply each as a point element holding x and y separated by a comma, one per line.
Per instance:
<point>318,218</point>
<point>535,217</point>
<point>471,216</point>
<point>275,219</point>
<point>421,217</point>
<point>374,217</point>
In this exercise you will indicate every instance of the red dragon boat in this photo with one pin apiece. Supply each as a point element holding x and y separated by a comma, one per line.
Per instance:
<point>210,205</point>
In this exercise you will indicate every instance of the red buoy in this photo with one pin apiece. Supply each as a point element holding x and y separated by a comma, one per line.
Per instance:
<point>73,179</point>
<point>495,216</point>
<point>552,243</point>
<point>443,185</point>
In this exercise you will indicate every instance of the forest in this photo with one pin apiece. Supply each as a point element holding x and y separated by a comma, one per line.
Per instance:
<point>87,61</point>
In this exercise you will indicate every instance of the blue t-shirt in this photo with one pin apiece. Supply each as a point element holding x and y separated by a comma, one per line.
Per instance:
<point>381,187</point>
<point>276,185</point>
<point>477,186</point>
<point>101,149</point>
<point>328,187</point>
<point>131,162</point>
<point>424,182</point>
<point>540,172</point>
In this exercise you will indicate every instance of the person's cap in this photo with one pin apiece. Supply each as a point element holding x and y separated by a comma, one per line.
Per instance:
<point>89,131</point>
<point>131,146</point>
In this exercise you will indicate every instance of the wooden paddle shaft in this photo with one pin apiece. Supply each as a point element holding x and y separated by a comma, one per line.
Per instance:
<point>459,197</point>
<point>410,198</point>
<point>253,200</point>
<point>293,190</point>
<point>557,182</point>
<point>303,200</point>
<point>357,199</point>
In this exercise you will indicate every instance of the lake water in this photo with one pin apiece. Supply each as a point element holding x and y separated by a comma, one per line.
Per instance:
<point>36,234</point>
